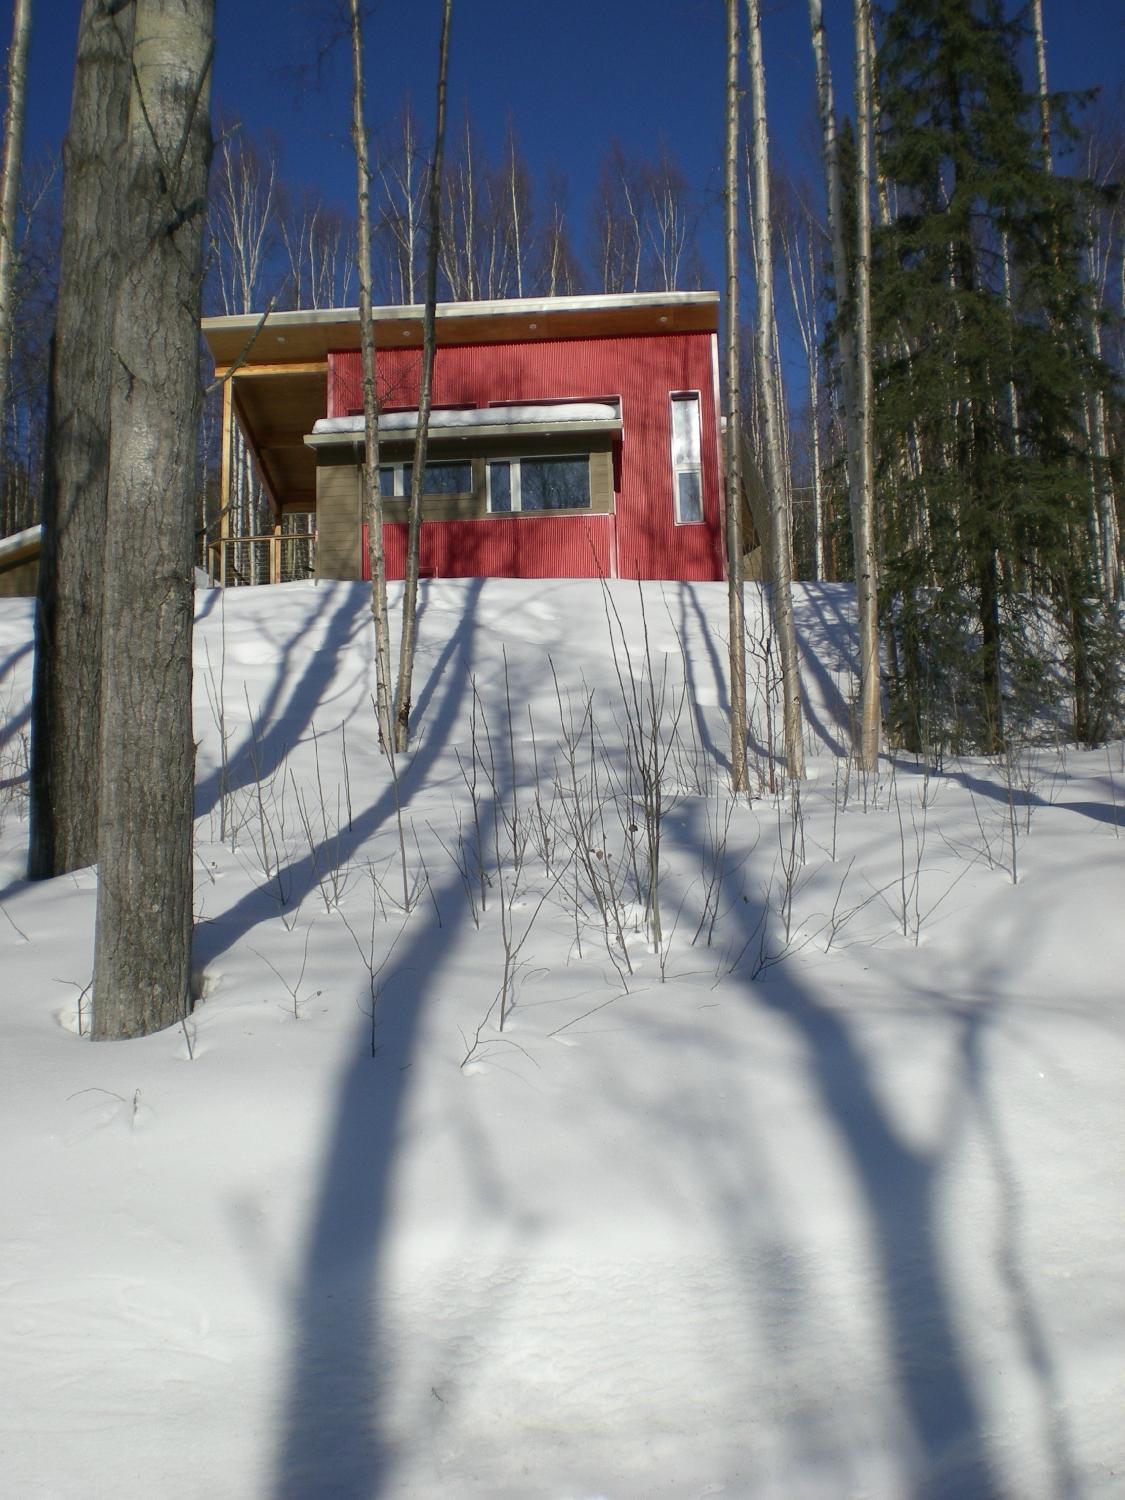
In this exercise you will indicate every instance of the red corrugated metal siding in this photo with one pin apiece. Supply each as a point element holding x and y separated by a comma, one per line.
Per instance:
<point>531,547</point>
<point>643,372</point>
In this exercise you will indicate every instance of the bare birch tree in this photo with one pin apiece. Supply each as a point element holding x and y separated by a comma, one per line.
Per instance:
<point>243,219</point>
<point>863,520</point>
<point>465,204</point>
<point>319,253</point>
<point>425,397</point>
<point>372,499</point>
<point>557,273</point>
<point>142,945</point>
<point>243,234</point>
<point>781,592</point>
<point>1041,78</point>
<point>860,463</point>
<point>736,615</point>
<point>800,237</point>
<point>618,234</point>
<point>1103,167</point>
<point>10,180</point>
<point>669,219</point>
<point>1103,515</point>
<point>66,703</point>
<point>405,180</point>
<point>517,195</point>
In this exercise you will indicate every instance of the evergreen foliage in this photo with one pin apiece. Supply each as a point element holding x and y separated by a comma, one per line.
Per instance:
<point>983,373</point>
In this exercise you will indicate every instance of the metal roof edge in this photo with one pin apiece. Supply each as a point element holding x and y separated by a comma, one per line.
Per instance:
<point>515,307</point>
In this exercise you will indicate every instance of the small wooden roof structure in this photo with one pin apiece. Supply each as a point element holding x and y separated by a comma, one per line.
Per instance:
<point>275,365</point>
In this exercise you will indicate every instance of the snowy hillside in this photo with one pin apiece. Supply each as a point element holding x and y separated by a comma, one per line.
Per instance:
<point>793,1172</point>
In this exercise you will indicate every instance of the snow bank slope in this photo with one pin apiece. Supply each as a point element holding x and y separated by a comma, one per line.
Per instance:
<point>816,1195</point>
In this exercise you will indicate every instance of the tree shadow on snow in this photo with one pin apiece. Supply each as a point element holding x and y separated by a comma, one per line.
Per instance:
<point>328,1433</point>
<point>452,672</point>
<point>901,1186</point>
<point>329,1437</point>
<point>291,703</point>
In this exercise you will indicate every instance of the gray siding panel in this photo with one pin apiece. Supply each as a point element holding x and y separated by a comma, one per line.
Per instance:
<point>337,520</point>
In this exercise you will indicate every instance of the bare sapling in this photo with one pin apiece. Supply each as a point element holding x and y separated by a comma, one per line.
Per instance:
<point>465,859</point>
<point>1113,791</point>
<point>791,858</point>
<point>652,711</point>
<point>511,841</point>
<point>1010,777</point>
<point>368,948</point>
<point>82,1003</point>
<point>293,987</point>
<point>715,870</point>
<point>765,728</point>
<point>544,829</point>
<point>582,822</point>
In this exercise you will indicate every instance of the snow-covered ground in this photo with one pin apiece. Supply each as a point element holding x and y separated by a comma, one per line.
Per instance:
<point>724,1214</point>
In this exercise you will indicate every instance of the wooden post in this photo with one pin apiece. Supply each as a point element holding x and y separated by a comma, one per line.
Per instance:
<point>224,478</point>
<point>275,553</point>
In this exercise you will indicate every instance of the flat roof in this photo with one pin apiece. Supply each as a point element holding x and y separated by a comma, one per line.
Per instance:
<point>310,333</point>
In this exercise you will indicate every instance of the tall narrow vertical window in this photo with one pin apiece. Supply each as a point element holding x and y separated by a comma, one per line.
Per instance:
<point>687,471</point>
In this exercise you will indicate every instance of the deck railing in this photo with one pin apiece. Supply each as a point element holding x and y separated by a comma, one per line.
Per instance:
<point>274,557</point>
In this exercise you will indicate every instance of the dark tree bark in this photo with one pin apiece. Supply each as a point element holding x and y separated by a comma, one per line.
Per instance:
<point>10,178</point>
<point>66,705</point>
<point>142,954</point>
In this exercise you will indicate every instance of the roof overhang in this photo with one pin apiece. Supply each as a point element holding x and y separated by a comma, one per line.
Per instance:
<point>309,334</point>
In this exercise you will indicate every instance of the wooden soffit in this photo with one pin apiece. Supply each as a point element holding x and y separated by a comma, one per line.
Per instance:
<point>248,340</point>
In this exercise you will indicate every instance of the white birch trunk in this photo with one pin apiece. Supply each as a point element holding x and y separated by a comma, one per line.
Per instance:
<point>739,778</point>
<point>803,291</point>
<point>425,396</point>
<point>1041,74</point>
<point>866,561</point>
<point>782,591</point>
<point>372,499</point>
<point>1103,515</point>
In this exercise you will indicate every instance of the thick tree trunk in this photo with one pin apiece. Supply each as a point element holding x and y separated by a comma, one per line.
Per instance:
<point>863,523</point>
<point>425,397</point>
<point>372,499</point>
<point>10,179</point>
<point>739,778</point>
<point>66,706</point>
<point>142,950</point>
<point>782,586</point>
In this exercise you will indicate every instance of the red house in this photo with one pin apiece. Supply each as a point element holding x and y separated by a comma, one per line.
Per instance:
<point>570,436</point>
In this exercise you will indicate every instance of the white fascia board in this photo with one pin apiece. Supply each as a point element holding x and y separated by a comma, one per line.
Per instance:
<point>513,306</point>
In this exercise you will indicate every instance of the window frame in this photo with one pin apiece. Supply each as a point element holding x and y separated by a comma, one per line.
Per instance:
<point>400,490</point>
<point>695,397</point>
<point>515,464</point>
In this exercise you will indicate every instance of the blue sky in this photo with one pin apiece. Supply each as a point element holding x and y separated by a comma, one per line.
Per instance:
<point>571,76</point>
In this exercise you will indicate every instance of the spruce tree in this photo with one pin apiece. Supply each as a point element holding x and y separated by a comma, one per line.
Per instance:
<point>985,517</point>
